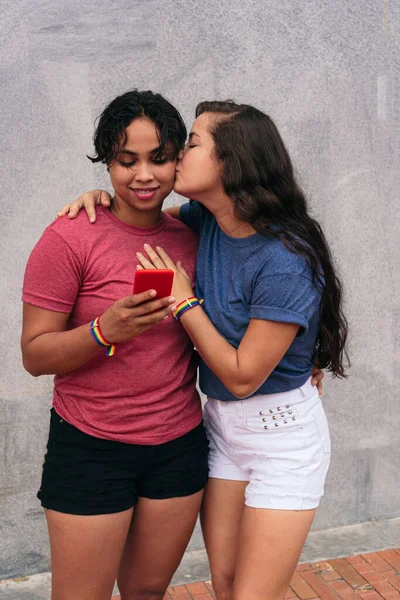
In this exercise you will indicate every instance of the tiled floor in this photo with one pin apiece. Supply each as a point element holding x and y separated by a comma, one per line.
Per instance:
<point>373,576</point>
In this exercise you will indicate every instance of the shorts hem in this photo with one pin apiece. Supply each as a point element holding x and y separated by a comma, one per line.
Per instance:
<point>84,512</point>
<point>283,502</point>
<point>175,494</point>
<point>236,476</point>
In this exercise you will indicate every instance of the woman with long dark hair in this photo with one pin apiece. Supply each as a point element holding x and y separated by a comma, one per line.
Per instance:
<point>272,307</point>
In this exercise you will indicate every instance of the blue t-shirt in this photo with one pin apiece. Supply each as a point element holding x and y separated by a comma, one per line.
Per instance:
<point>255,277</point>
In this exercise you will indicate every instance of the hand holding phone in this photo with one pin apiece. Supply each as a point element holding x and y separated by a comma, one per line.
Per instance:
<point>154,279</point>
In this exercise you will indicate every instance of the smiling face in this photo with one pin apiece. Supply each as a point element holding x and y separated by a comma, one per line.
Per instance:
<point>199,173</point>
<point>141,179</point>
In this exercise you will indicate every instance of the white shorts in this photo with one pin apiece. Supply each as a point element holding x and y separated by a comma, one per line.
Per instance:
<point>279,443</point>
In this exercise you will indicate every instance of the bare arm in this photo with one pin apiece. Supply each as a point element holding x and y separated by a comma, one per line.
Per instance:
<point>173,211</point>
<point>49,348</point>
<point>245,369</point>
<point>242,370</point>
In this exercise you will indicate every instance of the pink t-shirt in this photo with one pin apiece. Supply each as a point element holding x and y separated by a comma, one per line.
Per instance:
<point>145,393</point>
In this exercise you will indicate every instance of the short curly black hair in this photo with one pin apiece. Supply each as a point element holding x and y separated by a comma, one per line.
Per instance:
<point>110,134</point>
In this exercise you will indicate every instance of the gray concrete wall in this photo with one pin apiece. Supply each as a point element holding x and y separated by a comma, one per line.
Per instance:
<point>328,72</point>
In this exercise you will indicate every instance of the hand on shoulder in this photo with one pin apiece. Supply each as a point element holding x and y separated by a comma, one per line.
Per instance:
<point>87,201</point>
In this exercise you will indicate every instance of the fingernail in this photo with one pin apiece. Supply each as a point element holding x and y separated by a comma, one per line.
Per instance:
<point>91,219</point>
<point>165,318</point>
<point>158,248</point>
<point>139,255</point>
<point>153,293</point>
<point>171,299</point>
<point>173,308</point>
<point>147,246</point>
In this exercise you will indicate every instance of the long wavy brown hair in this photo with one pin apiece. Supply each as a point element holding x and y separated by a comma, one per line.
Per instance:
<point>258,176</point>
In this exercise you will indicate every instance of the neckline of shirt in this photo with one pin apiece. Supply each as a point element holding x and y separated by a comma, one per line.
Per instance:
<point>134,229</point>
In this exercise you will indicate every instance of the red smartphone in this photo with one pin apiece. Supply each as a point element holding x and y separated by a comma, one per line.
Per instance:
<point>154,279</point>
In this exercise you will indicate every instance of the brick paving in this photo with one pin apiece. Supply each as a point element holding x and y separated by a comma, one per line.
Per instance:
<point>373,576</point>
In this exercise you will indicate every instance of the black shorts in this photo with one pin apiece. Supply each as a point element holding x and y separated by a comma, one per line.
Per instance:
<point>84,475</point>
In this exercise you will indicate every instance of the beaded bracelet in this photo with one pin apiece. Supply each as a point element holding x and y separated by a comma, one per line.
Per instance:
<point>99,337</point>
<point>187,304</point>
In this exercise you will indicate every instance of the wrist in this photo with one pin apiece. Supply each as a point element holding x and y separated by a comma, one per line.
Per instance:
<point>105,329</point>
<point>99,337</point>
<point>185,305</point>
<point>183,296</point>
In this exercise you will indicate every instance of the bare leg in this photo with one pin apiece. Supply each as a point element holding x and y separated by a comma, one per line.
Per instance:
<point>85,553</point>
<point>158,537</point>
<point>269,548</point>
<point>221,517</point>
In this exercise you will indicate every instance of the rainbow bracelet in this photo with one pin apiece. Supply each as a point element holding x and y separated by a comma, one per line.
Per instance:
<point>187,304</point>
<point>99,337</point>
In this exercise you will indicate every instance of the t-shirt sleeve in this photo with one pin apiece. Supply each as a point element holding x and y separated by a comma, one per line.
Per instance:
<point>191,214</point>
<point>287,298</point>
<point>52,275</point>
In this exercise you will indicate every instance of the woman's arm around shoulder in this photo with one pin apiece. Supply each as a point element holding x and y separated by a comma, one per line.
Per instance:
<point>173,211</point>
<point>87,201</point>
